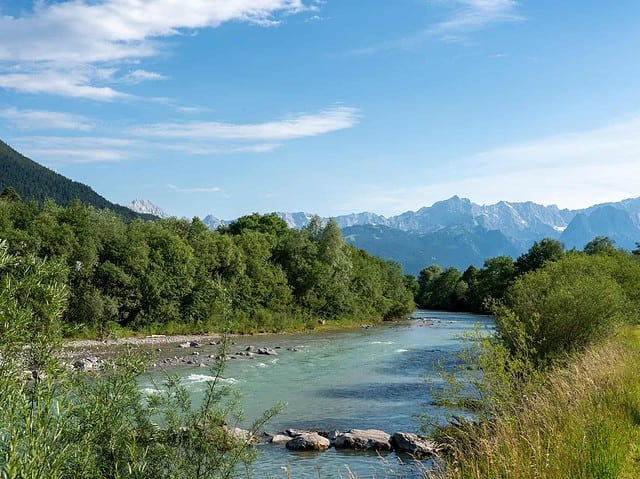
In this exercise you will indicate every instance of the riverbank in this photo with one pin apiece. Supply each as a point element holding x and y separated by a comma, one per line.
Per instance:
<point>580,421</point>
<point>106,347</point>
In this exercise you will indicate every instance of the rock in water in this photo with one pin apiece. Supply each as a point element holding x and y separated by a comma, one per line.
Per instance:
<point>413,444</point>
<point>363,439</point>
<point>309,442</point>
<point>279,439</point>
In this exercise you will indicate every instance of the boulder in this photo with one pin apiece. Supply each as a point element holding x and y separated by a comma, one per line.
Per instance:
<point>296,432</point>
<point>84,365</point>
<point>413,444</point>
<point>279,439</point>
<point>242,435</point>
<point>363,440</point>
<point>309,442</point>
<point>267,351</point>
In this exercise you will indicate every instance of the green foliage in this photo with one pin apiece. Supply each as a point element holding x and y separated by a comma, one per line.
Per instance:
<point>540,252</point>
<point>10,194</point>
<point>57,424</point>
<point>600,245</point>
<point>558,381</point>
<point>441,289</point>
<point>176,275</point>
<point>580,421</point>
<point>553,312</point>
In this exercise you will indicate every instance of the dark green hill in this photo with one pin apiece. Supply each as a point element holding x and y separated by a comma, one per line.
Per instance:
<point>34,181</point>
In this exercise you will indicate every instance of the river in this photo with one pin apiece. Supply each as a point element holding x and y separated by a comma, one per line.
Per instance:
<point>364,378</point>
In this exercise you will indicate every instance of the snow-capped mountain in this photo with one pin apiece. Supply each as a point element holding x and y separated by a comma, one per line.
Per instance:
<point>146,207</point>
<point>458,232</point>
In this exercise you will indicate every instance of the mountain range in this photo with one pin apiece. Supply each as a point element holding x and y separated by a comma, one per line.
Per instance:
<point>457,232</point>
<point>454,232</point>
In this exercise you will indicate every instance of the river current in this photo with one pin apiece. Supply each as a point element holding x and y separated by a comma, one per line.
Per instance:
<point>356,379</point>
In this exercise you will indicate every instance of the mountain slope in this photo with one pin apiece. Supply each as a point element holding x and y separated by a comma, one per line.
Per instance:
<point>457,232</point>
<point>606,220</point>
<point>457,246</point>
<point>33,181</point>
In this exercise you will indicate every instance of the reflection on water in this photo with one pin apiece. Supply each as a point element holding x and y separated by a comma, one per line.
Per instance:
<point>368,378</point>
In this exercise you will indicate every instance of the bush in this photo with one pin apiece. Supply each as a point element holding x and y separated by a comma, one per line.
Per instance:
<point>555,311</point>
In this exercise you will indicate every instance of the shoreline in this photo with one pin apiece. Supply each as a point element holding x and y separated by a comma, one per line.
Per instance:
<point>142,341</point>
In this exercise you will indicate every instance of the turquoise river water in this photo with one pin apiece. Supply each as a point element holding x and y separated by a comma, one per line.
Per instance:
<point>361,379</point>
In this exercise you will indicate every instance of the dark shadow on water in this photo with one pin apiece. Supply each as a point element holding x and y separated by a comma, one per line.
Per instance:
<point>417,362</point>
<point>393,392</point>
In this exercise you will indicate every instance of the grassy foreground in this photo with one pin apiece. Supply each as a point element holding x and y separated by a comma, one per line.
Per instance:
<point>581,421</point>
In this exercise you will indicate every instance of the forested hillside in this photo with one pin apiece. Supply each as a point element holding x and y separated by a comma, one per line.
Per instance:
<point>177,275</point>
<point>34,181</point>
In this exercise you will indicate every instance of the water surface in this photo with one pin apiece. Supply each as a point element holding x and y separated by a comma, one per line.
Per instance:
<point>363,378</point>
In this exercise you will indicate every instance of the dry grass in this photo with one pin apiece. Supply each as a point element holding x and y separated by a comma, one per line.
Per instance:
<point>582,422</point>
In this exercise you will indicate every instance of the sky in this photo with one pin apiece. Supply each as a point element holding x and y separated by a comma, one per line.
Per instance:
<point>229,107</point>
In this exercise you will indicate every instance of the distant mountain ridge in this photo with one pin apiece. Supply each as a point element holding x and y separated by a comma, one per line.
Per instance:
<point>33,181</point>
<point>146,207</point>
<point>457,232</point>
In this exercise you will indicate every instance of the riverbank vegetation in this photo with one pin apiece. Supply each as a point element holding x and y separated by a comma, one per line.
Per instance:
<point>557,388</point>
<point>177,276</point>
<point>56,423</point>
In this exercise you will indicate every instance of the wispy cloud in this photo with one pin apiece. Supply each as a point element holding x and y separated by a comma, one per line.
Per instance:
<point>56,38</point>
<point>464,17</point>
<point>572,170</point>
<point>472,15</point>
<point>65,150</point>
<point>195,138</point>
<point>138,76</point>
<point>177,189</point>
<point>296,126</point>
<point>69,81</point>
<point>45,120</point>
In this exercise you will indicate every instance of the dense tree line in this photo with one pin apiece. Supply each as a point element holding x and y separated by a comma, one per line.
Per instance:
<point>474,289</point>
<point>177,275</point>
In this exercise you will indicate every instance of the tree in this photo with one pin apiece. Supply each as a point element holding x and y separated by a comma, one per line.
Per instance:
<point>637,250</point>
<point>10,194</point>
<point>561,308</point>
<point>600,245</point>
<point>492,280</point>
<point>546,250</point>
<point>425,277</point>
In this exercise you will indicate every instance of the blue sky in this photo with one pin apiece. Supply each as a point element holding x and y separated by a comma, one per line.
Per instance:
<point>227,107</point>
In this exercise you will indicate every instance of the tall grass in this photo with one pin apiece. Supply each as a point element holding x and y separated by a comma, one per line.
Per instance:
<point>580,421</point>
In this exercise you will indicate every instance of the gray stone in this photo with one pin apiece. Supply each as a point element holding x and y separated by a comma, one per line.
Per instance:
<point>364,440</point>
<point>242,435</point>
<point>413,444</point>
<point>279,439</point>
<point>309,442</point>
<point>267,351</point>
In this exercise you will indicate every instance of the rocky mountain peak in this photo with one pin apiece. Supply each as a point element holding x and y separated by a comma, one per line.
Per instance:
<point>146,207</point>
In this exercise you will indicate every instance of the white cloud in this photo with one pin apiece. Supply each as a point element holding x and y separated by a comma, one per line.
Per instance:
<point>465,17</point>
<point>75,82</point>
<point>58,37</point>
<point>64,150</point>
<point>138,76</point>
<point>199,149</point>
<point>297,126</point>
<point>45,120</point>
<point>472,15</point>
<point>177,189</point>
<point>190,138</point>
<point>573,170</point>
